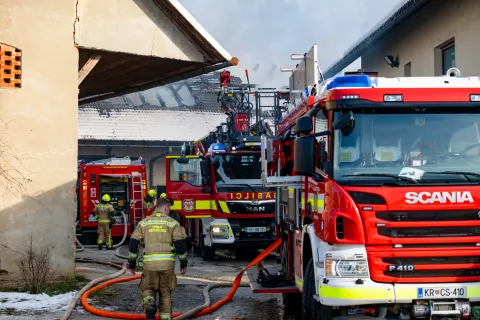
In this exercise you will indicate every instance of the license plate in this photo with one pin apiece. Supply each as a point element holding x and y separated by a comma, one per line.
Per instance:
<point>91,219</point>
<point>442,292</point>
<point>255,229</point>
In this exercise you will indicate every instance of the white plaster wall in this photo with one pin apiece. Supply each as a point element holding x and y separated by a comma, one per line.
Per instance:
<point>38,123</point>
<point>131,26</point>
<point>416,39</point>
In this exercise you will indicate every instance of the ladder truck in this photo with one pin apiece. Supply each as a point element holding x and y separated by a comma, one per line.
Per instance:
<point>124,180</point>
<point>216,185</point>
<point>378,197</point>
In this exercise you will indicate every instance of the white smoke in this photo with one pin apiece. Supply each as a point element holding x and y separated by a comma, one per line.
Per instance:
<point>263,33</point>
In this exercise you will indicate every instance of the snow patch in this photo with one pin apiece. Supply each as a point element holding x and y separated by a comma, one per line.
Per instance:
<point>26,301</point>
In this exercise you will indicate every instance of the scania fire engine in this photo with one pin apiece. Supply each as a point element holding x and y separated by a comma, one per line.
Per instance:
<point>379,209</point>
<point>124,180</point>
<point>216,184</point>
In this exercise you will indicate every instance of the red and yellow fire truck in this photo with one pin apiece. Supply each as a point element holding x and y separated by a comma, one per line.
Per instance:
<point>381,205</point>
<point>124,180</point>
<point>217,188</point>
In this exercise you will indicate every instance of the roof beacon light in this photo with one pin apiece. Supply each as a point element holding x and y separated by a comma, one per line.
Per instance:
<point>393,98</point>
<point>358,81</point>
<point>475,97</point>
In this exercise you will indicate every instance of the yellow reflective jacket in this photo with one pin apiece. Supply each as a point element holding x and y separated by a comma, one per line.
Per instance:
<point>158,232</point>
<point>104,212</point>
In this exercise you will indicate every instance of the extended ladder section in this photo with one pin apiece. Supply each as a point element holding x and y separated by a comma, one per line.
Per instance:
<point>137,187</point>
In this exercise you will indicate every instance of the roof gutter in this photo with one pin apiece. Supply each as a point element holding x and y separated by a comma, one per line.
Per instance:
<point>183,76</point>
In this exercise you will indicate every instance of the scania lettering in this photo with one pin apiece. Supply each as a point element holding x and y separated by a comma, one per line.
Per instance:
<point>378,196</point>
<point>438,197</point>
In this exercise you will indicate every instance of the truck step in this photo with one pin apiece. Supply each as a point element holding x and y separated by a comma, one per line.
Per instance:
<point>252,275</point>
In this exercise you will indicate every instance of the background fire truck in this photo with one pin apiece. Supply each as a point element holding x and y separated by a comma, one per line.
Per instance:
<point>216,184</point>
<point>126,183</point>
<point>378,210</point>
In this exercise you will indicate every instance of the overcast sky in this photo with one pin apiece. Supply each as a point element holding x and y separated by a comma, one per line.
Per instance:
<point>263,33</point>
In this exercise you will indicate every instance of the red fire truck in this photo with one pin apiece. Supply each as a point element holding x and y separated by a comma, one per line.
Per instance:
<point>381,206</point>
<point>124,180</point>
<point>217,189</point>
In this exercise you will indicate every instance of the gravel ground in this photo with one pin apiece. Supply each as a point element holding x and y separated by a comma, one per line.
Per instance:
<point>125,297</point>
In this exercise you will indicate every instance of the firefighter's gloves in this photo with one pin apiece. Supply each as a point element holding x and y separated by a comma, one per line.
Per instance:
<point>132,261</point>
<point>183,264</point>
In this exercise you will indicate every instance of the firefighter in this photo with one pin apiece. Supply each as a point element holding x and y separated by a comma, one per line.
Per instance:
<point>149,201</point>
<point>173,214</point>
<point>104,213</point>
<point>164,238</point>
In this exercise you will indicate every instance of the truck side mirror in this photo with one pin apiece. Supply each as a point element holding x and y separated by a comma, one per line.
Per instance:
<point>322,154</point>
<point>205,168</point>
<point>206,181</point>
<point>303,125</point>
<point>343,121</point>
<point>304,161</point>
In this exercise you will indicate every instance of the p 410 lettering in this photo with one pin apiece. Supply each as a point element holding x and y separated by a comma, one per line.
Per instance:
<point>401,268</point>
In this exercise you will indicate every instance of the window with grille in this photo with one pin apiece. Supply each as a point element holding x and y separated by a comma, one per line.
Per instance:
<point>10,67</point>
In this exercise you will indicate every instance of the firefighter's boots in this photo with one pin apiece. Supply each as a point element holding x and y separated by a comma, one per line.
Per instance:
<point>150,312</point>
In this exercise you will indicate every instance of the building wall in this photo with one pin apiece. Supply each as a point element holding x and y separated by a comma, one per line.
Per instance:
<point>148,31</point>
<point>38,140</point>
<point>146,153</point>
<point>417,41</point>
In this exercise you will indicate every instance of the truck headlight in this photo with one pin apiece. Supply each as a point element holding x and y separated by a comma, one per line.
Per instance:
<point>219,232</point>
<point>346,268</point>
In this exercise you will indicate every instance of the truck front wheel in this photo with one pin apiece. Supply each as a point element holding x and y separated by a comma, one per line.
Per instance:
<point>308,303</point>
<point>208,253</point>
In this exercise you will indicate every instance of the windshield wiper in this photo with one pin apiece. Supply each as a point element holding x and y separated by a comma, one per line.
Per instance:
<point>461,173</point>
<point>381,175</point>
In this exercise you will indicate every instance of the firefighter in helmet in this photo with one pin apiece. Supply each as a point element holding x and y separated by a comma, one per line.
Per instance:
<point>149,201</point>
<point>104,213</point>
<point>164,239</point>
<point>173,214</point>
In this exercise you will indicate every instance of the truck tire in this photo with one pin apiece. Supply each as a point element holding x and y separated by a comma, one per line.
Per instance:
<point>308,303</point>
<point>208,253</point>
<point>292,302</point>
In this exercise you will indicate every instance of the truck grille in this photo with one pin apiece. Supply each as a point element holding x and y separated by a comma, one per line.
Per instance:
<point>395,237</point>
<point>429,232</point>
<point>246,207</point>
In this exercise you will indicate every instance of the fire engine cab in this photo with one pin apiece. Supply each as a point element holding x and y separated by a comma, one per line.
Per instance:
<point>379,206</point>
<point>126,183</point>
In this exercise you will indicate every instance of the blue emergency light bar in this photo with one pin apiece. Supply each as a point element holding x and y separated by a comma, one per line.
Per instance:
<point>218,147</point>
<point>143,161</point>
<point>357,81</point>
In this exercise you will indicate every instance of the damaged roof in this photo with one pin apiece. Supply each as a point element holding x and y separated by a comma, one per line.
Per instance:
<point>183,111</point>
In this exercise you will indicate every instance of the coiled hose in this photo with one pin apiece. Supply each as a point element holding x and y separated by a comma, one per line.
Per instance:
<point>195,312</point>
<point>118,245</point>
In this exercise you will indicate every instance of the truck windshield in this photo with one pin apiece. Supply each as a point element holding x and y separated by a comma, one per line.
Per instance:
<point>421,146</point>
<point>234,169</point>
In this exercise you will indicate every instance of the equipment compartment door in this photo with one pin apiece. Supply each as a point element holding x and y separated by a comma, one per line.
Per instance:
<point>184,185</point>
